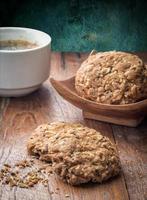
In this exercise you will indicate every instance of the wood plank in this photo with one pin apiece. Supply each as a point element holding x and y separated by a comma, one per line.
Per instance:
<point>132,148</point>
<point>20,116</point>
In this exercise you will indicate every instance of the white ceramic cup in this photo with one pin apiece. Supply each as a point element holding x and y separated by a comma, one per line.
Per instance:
<point>23,71</point>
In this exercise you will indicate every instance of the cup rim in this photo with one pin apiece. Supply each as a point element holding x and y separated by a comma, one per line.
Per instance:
<point>27,50</point>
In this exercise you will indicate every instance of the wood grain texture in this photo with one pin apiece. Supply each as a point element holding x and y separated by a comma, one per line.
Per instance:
<point>132,146</point>
<point>19,116</point>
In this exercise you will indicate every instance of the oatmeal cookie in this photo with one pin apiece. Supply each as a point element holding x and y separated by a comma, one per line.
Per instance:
<point>78,154</point>
<point>112,78</point>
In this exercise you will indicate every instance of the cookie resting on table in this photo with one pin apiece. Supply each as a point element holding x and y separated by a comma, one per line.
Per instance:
<point>78,154</point>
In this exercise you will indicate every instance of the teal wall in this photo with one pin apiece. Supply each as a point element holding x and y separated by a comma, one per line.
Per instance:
<point>82,25</point>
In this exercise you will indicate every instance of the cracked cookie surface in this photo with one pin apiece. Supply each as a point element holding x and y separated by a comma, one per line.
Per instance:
<point>112,78</point>
<point>78,154</point>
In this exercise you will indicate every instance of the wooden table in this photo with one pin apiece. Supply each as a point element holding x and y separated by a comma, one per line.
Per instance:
<point>19,116</point>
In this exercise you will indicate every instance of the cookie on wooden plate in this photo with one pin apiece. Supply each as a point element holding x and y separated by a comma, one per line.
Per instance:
<point>79,154</point>
<point>112,78</point>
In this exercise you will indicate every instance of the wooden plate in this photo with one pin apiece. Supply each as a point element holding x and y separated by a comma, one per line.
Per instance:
<point>128,115</point>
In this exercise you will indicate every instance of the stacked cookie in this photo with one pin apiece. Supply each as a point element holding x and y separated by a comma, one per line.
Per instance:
<point>78,154</point>
<point>112,78</point>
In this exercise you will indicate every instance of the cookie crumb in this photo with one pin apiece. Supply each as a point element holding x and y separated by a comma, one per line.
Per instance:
<point>23,174</point>
<point>51,192</point>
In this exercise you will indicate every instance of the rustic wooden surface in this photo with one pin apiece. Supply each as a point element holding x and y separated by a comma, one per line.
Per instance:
<point>19,116</point>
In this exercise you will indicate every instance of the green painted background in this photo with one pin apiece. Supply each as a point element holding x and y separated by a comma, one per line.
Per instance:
<point>82,25</point>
